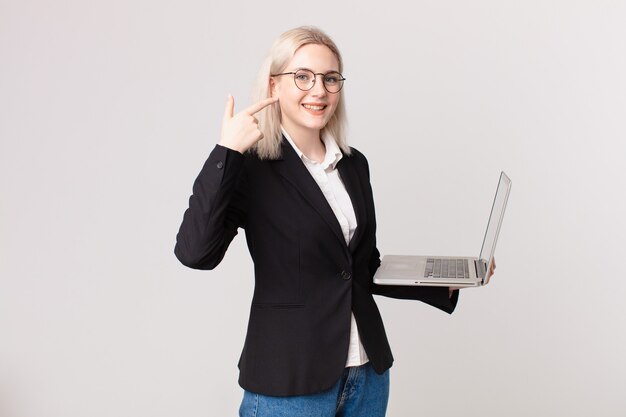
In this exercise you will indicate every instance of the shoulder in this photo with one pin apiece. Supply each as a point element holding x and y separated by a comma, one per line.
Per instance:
<point>358,158</point>
<point>356,155</point>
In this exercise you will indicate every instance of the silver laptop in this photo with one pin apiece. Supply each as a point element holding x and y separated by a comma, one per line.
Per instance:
<point>449,271</point>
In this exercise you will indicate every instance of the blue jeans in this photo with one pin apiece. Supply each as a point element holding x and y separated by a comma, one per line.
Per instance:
<point>360,392</point>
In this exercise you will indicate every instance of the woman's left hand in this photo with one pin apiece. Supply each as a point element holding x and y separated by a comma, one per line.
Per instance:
<point>492,270</point>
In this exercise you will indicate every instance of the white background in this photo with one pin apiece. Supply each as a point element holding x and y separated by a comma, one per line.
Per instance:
<point>109,109</point>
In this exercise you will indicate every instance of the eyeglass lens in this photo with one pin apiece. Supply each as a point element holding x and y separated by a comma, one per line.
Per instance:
<point>305,79</point>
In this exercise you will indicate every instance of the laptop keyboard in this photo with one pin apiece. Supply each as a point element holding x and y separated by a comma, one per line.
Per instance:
<point>446,268</point>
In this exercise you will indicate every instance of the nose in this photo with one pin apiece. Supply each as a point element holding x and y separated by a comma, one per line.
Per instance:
<point>318,88</point>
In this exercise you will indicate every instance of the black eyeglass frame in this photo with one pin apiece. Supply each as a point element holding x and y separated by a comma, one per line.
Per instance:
<point>315,74</point>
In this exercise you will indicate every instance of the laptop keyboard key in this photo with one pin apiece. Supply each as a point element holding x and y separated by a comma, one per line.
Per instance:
<point>446,268</point>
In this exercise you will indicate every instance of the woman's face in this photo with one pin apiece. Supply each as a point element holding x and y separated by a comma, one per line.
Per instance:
<point>305,112</point>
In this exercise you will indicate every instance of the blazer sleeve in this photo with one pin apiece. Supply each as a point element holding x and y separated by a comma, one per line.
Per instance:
<point>438,297</point>
<point>435,296</point>
<point>216,210</point>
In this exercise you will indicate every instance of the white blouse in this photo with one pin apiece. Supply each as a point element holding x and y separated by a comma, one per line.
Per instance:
<point>327,178</point>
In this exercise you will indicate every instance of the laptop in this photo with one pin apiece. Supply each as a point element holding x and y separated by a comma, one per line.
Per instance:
<point>449,271</point>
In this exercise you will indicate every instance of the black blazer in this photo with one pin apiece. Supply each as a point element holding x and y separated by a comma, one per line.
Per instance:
<point>307,280</point>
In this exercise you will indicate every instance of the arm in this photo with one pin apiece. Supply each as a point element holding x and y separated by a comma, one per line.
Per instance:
<point>442,298</point>
<point>216,209</point>
<point>218,205</point>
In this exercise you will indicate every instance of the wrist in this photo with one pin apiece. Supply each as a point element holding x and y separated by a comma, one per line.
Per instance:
<point>231,146</point>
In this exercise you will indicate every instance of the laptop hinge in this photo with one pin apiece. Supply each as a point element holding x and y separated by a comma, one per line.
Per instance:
<point>481,269</point>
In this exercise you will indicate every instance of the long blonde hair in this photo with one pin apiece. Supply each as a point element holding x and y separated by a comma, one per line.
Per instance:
<point>281,52</point>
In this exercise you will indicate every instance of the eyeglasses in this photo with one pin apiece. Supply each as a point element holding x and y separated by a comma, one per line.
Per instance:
<point>305,80</point>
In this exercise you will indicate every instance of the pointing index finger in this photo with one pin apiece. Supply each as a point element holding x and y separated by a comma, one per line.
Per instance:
<point>255,108</point>
<point>230,107</point>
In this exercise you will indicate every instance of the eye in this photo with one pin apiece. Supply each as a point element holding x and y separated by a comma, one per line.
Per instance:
<point>332,79</point>
<point>302,76</point>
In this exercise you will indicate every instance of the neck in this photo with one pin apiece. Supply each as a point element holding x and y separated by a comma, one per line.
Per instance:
<point>308,141</point>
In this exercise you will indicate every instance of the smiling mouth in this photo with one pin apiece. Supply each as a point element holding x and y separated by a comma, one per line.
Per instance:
<point>315,108</point>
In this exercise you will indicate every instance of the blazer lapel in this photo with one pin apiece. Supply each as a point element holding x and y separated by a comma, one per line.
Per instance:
<point>350,178</point>
<point>293,170</point>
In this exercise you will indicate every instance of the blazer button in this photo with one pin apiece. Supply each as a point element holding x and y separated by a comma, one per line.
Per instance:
<point>346,275</point>
<point>220,165</point>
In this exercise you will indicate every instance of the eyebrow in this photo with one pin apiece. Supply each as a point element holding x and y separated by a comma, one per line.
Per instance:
<point>309,69</point>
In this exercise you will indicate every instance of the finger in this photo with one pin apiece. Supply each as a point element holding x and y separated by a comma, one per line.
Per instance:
<point>230,107</point>
<point>255,108</point>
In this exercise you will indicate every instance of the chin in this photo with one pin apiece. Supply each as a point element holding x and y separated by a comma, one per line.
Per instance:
<point>310,123</point>
<point>318,124</point>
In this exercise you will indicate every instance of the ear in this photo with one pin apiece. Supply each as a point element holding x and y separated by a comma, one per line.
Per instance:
<point>273,87</point>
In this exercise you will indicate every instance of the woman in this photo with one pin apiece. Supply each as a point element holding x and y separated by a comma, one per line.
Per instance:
<point>282,171</point>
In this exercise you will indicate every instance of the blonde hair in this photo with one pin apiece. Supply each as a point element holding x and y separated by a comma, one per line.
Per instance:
<point>281,52</point>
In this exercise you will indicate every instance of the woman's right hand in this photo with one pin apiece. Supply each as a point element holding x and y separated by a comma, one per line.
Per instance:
<point>241,131</point>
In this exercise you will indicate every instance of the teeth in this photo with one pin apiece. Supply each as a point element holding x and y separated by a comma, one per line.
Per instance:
<point>308,106</point>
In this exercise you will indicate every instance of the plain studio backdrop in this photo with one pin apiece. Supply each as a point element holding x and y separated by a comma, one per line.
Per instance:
<point>109,109</point>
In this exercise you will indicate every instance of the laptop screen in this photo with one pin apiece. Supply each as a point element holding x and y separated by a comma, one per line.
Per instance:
<point>495,219</point>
